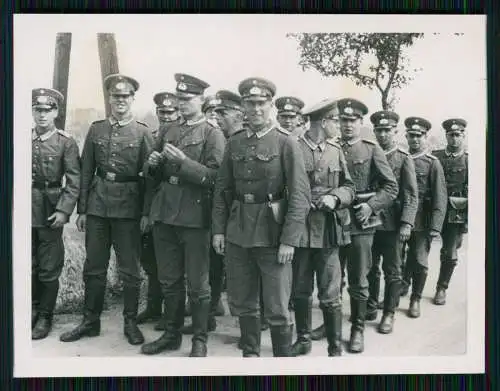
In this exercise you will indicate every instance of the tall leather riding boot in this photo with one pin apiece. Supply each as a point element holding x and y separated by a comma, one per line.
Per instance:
<point>419,278</point>
<point>171,339</point>
<point>445,272</point>
<point>358,313</point>
<point>374,293</point>
<point>200,310</point>
<point>130,305</point>
<point>250,336</point>
<point>391,302</point>
<point>48,299</point>
<point>90,325</point>
<point>152,313</point>
<point>160,326</point>
<point>332,317</point>
<point>281,339</point>
<point>211,322</point>
<point>303,320</point>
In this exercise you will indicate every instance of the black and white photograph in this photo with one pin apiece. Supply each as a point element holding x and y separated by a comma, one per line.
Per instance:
<point>304,190</point>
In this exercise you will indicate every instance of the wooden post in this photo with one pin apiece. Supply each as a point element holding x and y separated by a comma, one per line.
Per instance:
<point>109,62</point>
<point>61,74</point>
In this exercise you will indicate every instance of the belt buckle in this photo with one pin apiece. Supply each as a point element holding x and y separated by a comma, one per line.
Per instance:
<point>110,176</point>
<point>173,180</point>
<point>249,198</point>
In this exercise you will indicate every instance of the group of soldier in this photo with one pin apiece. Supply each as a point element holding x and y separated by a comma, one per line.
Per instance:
<point>223,188</point>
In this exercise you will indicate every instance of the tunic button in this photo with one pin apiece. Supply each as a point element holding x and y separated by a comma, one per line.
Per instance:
<point>113,164</point>
<point>113,154</point>
<point>319,169</point>
<point>114,144</point>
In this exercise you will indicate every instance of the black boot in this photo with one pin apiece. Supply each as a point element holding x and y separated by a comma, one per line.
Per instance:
<point>281,339</point>
<point>130,304</point>
<point>419,279</point>
<point>200,309</point>
<point>318,333</point>
<point>332,317</point>
<point>303,319</point>
<point>48,297</point>
<point>171,339</point>
<point>152,313</point>
<point>35,298</point>
<point>263,322</point>
<point>374,293</point>
<point>250,336</point>
<point>160,326</point>
<point>391,301</point>
<point>358,312</point>
<point>93,305</point>
<point>445,272</point>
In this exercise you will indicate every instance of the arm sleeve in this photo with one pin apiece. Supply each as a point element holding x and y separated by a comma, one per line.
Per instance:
<point>87,171</point>
<point>71,191</point>
<point>387,185</point>
<point>409,189</point>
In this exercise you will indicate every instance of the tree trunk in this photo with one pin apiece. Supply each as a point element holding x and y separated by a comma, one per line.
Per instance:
<point>61,74</point>
<point>109,62</point>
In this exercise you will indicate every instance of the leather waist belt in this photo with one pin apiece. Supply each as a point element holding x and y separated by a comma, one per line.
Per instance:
<point>45,185</point>
<point>250,198</point>
<point>113,177</point>
<point>173,180</point>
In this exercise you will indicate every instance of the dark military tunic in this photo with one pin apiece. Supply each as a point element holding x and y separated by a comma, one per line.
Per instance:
<point>54,158</point>
<point>119,150</point>
<point>318,249</point>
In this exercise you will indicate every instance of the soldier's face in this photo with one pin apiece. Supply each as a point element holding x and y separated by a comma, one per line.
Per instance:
<point>257,112</point>
<point>288,121</point>
<point>416,141</point>
<point>189,107</point>
<point>385,136</point>
<point>455,139</point>
<point>165,116</point>
<point>331,124</point>
<point>229,120</point>
<point>350,127</point>
<point>121,103</point>
<point>211,114</point>
<point>44,118</point>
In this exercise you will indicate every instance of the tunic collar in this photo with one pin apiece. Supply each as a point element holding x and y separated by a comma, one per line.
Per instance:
<point>454,154</point>
<point>42,137</point>
<point>351,142</point>
<point>197,122</point>
<point>260,133</point>
<point>313,145</point>
<point>125,121</point>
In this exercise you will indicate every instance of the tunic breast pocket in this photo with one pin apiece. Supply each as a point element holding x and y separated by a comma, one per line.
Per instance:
<point>421,182</point>
<point>333,176</point>
<point>193,147</point>
<point>267,164</point>
<point>239,166</point>
<point>130,150</point>
<point>52,166</point>
<point>101,148</point>
<point>457,175</point>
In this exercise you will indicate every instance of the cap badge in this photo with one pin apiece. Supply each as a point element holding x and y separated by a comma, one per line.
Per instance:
<point>43,99</point>
<point>288,107</point>
<point>384,121</point>
<point>42,91</point>
<point>348,110</point>
<point>182,77</point>
<point>454,127</point>
<point>416,119</point>
<point>415,126</point>
<point>182,86</point>
<point>167,102</point>
<point>120,86</point>
<point>255,91</point>
<point>254,82</point>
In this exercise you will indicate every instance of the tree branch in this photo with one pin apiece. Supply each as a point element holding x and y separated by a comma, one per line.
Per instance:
<point>394,69</point>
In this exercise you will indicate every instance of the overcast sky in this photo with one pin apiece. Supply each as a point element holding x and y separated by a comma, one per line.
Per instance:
<point>224,49</point>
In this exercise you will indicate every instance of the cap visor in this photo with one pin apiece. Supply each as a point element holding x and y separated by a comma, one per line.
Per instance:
<point>167,109</point>
<point>39,106</point>
<point>185,95</point>
<point>256,98</point>
<point>346,116</point>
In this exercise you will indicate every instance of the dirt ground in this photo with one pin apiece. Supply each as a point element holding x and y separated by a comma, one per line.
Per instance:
<point>441,330</point>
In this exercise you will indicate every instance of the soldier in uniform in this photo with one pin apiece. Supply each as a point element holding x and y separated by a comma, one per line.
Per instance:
<point>185,161</point>
<point>229,115</point>
<point>110,207</point>
<point>264,180</point>
<point>430,213</point>
<point>397,222</point>
<point>454,160</point>
<point>167,114</point>
<point>318,251</point>
<point>289,114</point>
<point>54,157</point>
<point>376,189</point>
